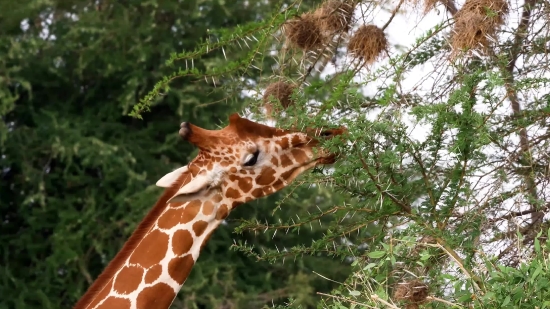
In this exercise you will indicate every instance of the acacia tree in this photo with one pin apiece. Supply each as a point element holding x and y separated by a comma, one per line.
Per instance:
<point>445,171</point>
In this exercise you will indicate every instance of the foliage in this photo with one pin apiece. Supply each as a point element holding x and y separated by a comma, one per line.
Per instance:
<point>445,170</point>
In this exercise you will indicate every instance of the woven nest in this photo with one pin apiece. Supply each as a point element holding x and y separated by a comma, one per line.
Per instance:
<point>429,5</point>
<point>412,292</point>
<point>280,91</point>
<point>477,22</point>
<point>494,10</point>
<point>367,43</point>
<point>335,16</point>
<point>305,32</point>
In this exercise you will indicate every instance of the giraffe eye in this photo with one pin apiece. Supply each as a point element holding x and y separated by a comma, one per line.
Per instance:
<point>251,159</point>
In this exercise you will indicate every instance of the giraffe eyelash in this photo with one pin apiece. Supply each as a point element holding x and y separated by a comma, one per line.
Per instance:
<point>252,158</point>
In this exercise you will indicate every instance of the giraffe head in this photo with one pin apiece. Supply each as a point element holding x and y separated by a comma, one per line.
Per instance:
<point>245,160</point>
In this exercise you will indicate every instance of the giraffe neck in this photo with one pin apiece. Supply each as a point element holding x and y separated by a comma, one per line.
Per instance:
<point>157,259</point>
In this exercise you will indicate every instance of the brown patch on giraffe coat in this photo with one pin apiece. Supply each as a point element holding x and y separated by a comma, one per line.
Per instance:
<point>207,208</point>
<point>170,218</point>
<point>182,242</point>
<point>287,174</point>
<point>232,193</point>
<point>296,140</point>
<point>159,295</point>
<point>222,212</point>
<point>180,267</point>
<point>199,227</point>
<point>275,161</point>
<point>233,170</point>
<point>266,177</point>
<point>257,192</point>
<point>284,143</point>
<point>244,183</point>
<point>153,273</point>
<point>151,249</point>
<point>299,155</point>
<point>173,217</point>
<point>128,279</point>
<point>191,211</point>
<point>278,184</point>
<point>114,302</point>
<point>217,198</point>
<point>285,161</point>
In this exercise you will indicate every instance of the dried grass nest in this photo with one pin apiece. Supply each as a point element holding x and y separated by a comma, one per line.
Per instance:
<point>281,91</point>
<point>305,32</point>
<point>478,21</point>
<point>367,43</point>
<point>429,5</point>
<point>413,292</point>
<point>335,16</point>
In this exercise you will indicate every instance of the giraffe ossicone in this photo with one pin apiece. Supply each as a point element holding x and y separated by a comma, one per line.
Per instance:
<point>241,162</point>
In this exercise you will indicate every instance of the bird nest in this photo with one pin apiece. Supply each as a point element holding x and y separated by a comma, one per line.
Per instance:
<point>335,16</point>
<point>477,22</point>
<point>412,293</point>
<point>305,32</point>
<point>280,91</point>
<point>367,43</point>
<point>429,5</point>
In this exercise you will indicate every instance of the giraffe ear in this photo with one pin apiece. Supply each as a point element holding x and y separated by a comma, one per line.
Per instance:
<point>197,184</point>
<point>168,180</point>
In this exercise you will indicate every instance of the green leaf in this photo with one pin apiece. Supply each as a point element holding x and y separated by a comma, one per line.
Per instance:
<point>369,266</point>
<point>376,254</point>
<point>536,273</point>
<point>506,301</point>
<point>465,298</point>
<point>354,293</point>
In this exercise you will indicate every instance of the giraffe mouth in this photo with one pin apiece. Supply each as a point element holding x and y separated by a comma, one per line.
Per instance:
<point>327,159</point>
<point>322,160</point>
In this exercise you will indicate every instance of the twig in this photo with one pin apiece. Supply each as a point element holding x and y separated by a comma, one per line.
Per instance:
<point>476,282</point>
<point>380,300</point>
<point>432,298</point>
<point>394,12</point>
<point>345,299</point>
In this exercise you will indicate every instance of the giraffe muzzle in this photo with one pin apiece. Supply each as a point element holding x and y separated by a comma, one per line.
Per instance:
<point>185,130</point>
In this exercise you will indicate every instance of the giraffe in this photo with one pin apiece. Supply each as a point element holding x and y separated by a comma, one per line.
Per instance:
<point>239,163</point>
